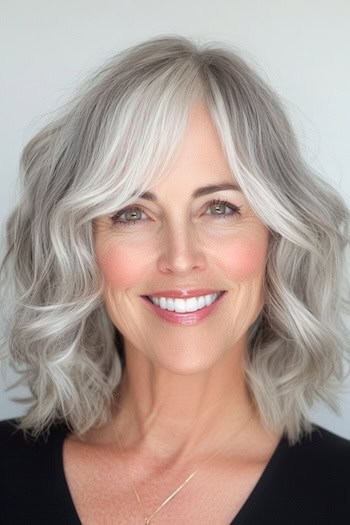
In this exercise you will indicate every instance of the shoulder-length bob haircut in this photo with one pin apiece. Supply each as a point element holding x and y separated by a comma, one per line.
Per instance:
<point>120,134</point>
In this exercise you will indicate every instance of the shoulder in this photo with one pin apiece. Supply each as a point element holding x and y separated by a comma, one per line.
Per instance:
<point>14,439</point>
<point>312,478</point>
<point>7,428</point>
<point>319,461</point>
<point>306,483</point>
<point>327,440</point>
<point>14,443</point>
<point>325,453</point>
<point>31,474</point>
<point>24,456</point>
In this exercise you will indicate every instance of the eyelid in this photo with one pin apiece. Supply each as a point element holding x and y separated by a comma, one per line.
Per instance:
<point>117,214</point>
<point>230,205</point>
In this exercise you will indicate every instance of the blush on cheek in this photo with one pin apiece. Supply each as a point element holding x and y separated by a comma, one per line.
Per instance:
<point>247,259</point>
<point>120,268</point>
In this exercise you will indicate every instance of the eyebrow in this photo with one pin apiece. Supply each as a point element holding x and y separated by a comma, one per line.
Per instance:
<point>199,192</point>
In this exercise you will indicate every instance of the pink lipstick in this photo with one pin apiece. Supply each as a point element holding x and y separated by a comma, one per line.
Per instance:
<point>186,318</point>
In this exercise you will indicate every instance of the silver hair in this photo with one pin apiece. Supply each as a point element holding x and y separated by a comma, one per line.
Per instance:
<point>119,134</point>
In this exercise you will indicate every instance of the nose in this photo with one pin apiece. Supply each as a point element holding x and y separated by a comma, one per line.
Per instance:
<point>181,252</point>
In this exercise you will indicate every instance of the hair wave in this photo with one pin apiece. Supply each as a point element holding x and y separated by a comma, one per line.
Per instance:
<point>118,135</point>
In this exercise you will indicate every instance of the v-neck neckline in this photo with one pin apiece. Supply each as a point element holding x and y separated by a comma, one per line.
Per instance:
<point>262,485</point>
<point>240,518</point>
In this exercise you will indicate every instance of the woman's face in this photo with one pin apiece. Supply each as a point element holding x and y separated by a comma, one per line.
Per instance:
<point>183,243</point>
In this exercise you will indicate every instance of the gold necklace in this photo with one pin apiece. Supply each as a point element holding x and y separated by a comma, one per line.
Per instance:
<point>147,519</point>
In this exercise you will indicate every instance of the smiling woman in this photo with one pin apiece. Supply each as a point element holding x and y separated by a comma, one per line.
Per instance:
<point>180,278</point>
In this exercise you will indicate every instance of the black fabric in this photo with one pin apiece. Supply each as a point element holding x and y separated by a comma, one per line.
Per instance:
<point>304,484</point>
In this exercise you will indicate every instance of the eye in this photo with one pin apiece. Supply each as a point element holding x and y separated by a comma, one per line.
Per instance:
<point>132,216</point>
<point>219,209</point>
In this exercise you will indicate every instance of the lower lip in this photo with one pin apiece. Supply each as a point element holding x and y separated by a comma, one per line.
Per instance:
<point>185,319</point>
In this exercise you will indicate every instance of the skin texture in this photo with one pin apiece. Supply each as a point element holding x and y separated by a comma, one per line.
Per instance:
<point>183,395</point>
<point>177,376</point>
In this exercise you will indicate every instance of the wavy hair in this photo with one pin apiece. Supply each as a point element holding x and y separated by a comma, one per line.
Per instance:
<point>120,133</point>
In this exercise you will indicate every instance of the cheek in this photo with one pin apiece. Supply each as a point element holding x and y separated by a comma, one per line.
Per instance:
<point>245,259</point>
<point>121,268</point>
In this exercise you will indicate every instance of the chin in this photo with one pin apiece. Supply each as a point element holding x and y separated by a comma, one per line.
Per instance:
<point>186,362</point>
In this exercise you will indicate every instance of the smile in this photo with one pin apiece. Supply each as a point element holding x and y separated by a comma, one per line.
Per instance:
<point>184,312</point>
<point>184,305</point>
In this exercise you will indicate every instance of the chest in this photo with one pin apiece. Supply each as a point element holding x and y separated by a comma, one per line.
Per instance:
<point>103,492</point>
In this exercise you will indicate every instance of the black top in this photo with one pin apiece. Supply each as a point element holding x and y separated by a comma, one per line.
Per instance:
<point>304,484</point>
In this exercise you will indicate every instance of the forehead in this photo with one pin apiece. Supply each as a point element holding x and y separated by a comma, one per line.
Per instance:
<point>201,145</point>
<point>200,163</point>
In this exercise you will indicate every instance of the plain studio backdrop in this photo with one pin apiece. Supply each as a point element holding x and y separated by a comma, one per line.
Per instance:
<point>301,48</point>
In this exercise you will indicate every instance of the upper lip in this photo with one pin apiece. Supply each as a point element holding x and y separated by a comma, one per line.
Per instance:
<point>184,293</point>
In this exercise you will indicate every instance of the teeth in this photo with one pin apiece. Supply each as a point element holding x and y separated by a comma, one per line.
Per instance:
<point>184,305</point>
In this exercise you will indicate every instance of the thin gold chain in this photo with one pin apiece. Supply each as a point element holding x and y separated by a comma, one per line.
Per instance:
<point>147,519</point>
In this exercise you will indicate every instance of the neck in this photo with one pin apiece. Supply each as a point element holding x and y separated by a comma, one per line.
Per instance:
<point>168,415</point>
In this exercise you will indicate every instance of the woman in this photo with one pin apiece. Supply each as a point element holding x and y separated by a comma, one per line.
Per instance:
<point>180,272</point>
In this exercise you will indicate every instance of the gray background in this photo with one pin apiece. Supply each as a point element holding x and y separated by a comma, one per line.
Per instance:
<point>302,48</point>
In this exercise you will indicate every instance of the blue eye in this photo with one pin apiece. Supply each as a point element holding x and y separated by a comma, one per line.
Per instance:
<point>133,214</point>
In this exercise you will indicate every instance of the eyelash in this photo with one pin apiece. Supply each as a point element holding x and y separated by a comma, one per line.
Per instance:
<point>215,202</point>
